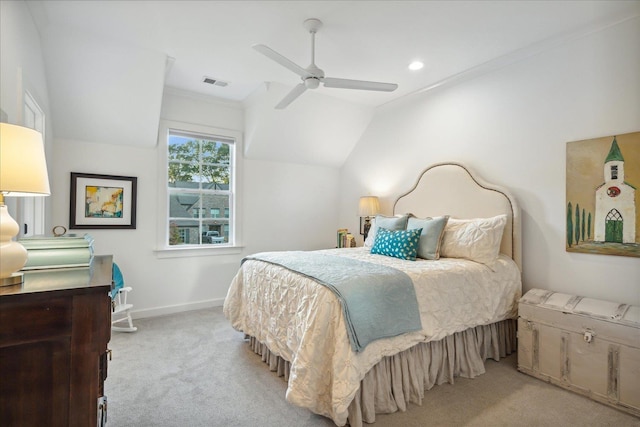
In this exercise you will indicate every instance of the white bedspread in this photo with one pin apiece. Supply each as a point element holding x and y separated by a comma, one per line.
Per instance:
<point>302,322</point>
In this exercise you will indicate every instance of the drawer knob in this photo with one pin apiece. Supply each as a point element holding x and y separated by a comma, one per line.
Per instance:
<point>588,336</point>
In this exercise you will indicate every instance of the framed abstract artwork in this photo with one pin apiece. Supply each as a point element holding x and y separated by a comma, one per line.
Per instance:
<point>102,201</point>
<point>603,192</point>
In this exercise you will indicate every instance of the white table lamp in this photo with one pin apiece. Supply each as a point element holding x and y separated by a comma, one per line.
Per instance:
<point>23,172</point>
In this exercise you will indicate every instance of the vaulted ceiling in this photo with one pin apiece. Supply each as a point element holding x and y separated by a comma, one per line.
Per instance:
<point>109,61</point>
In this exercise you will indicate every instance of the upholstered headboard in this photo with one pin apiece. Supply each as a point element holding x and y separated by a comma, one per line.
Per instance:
<point>453,189</point>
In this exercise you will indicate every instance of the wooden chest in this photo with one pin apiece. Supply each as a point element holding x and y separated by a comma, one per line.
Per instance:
<point>585,345</point>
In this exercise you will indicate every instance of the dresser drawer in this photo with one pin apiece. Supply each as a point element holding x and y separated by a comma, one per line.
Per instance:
<point>34,320</point>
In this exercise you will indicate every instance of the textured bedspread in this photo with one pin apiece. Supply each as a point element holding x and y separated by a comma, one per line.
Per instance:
<point>302,321</point>
<point>377,301</point>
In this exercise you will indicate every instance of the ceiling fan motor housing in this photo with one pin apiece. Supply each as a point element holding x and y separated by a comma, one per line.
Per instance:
<point>312,82</point>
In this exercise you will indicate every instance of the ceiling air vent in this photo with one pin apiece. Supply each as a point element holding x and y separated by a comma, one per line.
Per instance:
<point>215,82</point>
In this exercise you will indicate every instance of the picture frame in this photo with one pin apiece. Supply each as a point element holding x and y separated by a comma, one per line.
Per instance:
<point>362,221</point>
<point>602,196</point>
<point>102,201</point>
<point>364,230</point>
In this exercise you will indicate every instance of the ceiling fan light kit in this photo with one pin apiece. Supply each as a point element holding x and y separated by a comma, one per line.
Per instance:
<point>312,76</point>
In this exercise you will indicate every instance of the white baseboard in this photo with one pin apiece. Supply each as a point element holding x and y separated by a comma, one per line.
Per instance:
<point>178,308</point>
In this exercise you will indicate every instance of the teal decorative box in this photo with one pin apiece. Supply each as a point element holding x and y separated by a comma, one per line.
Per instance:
<point>58,252</point>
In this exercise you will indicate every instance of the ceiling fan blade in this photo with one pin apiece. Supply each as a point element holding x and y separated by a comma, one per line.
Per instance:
<point>272,54</point>
<point>359,84</point>
<point>291,96</point>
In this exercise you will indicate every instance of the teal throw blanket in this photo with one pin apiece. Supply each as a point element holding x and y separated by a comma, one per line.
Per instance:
<point>377,301</point>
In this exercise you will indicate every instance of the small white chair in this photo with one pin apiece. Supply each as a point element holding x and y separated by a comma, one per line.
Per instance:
<point>120,310</point>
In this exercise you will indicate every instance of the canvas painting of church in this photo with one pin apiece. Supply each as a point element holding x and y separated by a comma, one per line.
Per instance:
<point>602,206</point>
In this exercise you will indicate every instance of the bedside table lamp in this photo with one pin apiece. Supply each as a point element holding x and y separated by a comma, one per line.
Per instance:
<point>23,172</point>
<point>368,207</point>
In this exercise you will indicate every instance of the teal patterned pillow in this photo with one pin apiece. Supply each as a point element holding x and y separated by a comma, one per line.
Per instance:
<point>401,244</point>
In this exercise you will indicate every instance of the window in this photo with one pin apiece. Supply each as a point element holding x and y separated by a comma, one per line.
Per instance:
<point>200,178</point>
<point>614,171</point>
<point>183,234</point>
<point>32,209</point>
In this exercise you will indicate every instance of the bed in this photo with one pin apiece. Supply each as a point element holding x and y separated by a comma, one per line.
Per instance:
<point>467,306</point>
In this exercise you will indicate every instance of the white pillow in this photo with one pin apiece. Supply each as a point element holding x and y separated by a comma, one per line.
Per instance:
<point>475,239</point>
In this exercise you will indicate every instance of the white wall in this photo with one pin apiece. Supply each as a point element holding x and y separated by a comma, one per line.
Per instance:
<point>512,126</point>
<point>289,206</point>
<point>286,206</point>
<point>22,63</point>
<point>102,86</point>
<point>318,130</point>
<point>22,69</point>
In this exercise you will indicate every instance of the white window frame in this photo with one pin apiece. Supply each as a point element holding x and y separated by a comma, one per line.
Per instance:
<point>163,249</point>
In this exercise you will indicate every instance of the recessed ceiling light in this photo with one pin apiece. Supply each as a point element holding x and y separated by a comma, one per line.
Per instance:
<point>416,65</point>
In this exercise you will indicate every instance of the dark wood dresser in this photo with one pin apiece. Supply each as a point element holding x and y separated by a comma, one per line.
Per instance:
<point>54,331</point>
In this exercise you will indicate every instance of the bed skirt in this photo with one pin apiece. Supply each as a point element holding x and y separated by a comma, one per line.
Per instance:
<point>403,378</point>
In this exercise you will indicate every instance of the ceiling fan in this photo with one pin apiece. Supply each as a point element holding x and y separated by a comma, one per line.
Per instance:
<point>312,76</point>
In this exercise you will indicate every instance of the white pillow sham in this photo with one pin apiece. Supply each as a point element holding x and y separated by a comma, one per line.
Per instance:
<point>476,239</point>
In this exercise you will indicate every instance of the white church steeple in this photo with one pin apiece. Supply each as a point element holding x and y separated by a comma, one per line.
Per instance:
<point>615,218</point>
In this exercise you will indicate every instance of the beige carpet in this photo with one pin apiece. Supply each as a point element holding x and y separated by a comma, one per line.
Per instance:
<point>193,369</point>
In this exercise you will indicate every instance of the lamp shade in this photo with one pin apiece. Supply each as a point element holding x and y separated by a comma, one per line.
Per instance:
<point>23,167</point>
<point>368,206</point>
<point>23,172</point>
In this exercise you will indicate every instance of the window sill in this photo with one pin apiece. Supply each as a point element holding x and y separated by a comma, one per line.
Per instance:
<point>191,251</point>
